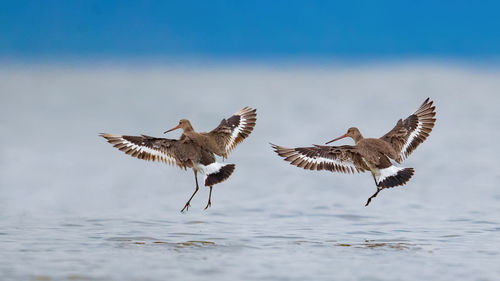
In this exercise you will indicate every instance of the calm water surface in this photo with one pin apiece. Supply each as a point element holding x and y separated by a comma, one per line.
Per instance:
<point>74,208</point>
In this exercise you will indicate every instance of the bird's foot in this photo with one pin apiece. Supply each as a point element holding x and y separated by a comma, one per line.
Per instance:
<point>209,199</point>
<point>186,207</point>
<point>373,196</point>
<point>208,204</point>
<point>368,202</point>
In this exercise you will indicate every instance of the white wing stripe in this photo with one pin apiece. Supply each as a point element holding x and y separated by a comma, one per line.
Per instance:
<point>318,160</point>
<point>146,149</point>
<point>235,133</point>
<point>410,139</point>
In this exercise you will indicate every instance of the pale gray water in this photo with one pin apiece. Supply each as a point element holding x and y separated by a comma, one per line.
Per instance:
<point>74,208</point>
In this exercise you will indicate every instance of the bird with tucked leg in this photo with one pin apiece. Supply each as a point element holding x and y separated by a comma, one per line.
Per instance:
<point>369,154</point>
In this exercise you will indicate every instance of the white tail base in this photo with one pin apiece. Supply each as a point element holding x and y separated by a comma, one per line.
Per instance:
<point>382,174</point>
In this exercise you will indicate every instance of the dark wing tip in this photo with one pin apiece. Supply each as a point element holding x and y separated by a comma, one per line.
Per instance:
<point>109,137</point>
<point>428,103</point>
<point>247,110</point>
<point>275,147</point>
<point>283,151</point>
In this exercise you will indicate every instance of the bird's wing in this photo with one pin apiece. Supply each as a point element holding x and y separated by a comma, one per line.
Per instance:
<point>344,159</point>
<point>233,130</point>
<point>146,147</point>
<point>409,133</point>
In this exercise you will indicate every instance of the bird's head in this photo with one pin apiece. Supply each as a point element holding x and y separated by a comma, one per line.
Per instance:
<point>352,132</point>
<point>184,124</point>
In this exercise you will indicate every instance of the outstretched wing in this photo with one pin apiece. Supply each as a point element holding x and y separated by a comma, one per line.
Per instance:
<point>146,147</point>
<point>409,133</point>
<point>233,130</point>
<point>342,159</point>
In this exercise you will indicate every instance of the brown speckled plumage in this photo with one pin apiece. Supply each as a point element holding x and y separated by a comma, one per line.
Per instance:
<point>369,154</point>
<point>193,150</point>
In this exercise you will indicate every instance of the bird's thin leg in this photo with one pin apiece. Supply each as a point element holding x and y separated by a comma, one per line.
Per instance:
<point>373,196</point>
<point>186,207</point>
<point>209,197</point>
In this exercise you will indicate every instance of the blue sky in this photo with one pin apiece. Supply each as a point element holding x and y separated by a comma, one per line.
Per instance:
<point>250,29</point>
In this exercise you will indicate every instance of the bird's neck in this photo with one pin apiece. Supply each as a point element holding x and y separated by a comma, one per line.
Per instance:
<point>188,134</point>
<point>188,129</point>
<point>357,138</point>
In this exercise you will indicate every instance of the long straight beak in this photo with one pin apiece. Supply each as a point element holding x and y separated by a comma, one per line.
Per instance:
<point>341,137</point>
<point>174,128</point>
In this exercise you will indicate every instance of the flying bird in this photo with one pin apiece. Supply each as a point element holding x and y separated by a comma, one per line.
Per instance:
<point>193,150</point>
<point>369,154</point>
